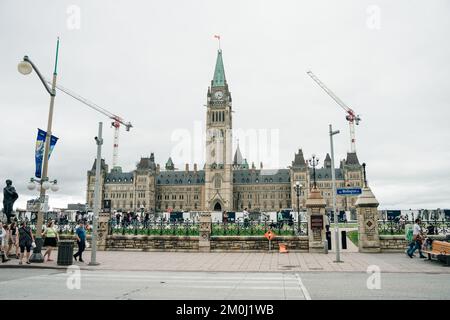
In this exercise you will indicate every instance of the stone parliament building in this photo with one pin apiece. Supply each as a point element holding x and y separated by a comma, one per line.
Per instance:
<point>225,182</point>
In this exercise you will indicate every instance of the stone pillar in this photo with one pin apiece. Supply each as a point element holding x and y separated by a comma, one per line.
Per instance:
<point>103,227</point>
<point>204,244</point>
<point>366,207</point>
<point>315,206</point>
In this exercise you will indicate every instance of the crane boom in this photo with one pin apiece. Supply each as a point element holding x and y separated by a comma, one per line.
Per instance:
<point>351,117</point>
<point>92,105</point>
<point>329,92</point>
<point>117,121</point>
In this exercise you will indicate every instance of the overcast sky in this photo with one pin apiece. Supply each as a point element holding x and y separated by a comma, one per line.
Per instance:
<point>151,62</point>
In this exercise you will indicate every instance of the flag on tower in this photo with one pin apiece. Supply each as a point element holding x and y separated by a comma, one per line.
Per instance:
<point>217,36</point>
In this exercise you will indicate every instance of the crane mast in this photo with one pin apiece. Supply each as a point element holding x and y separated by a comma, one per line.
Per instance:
<point>351,117</point>
<point>116,123</point>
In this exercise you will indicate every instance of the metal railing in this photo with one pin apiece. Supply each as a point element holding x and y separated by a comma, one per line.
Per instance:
<point>398,227</point>
<point>161,227</point>
<point>63,228</point>
<point>258,228</point>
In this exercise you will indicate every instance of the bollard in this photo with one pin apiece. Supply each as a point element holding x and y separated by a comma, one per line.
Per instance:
<point>344,239</point>
<point>325,246</point>
<point>328,236</point>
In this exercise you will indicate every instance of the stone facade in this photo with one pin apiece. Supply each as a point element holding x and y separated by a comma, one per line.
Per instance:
<point>223,183</point>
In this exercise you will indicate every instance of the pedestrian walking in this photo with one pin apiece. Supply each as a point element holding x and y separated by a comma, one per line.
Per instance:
<point>280,219</point>
<point>246,218</point>
<point>12,241</point>
<point>81,240</point>
<point>50,239</point>
<point>418,237</point>
<point>224,217</point>
<point>26,240</point>
<point>3,242</point>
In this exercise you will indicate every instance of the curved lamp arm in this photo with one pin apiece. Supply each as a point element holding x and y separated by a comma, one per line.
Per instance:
<point>49,90</point>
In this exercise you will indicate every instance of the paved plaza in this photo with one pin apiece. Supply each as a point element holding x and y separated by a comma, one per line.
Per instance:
<point>248,262</point>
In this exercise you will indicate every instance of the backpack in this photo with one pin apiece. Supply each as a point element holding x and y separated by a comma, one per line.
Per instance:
<point>409,233</point>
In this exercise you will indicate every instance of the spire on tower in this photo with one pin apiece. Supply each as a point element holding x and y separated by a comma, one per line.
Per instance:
<point>219,72</point>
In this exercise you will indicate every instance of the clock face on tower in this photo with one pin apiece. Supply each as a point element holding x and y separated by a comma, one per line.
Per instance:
<point>218,95</point>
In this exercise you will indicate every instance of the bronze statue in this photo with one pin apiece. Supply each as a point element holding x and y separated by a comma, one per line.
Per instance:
<point>9,197</point>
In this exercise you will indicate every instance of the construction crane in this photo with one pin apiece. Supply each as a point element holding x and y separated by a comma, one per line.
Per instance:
<point>351,117</point>
<point>116,120</point>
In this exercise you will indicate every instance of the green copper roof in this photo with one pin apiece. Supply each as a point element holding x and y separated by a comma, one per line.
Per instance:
<point>219,71</point>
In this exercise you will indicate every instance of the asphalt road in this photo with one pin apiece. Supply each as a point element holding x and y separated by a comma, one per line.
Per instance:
<point>55,284</point>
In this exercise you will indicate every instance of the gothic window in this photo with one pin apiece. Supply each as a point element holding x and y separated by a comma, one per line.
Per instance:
<point>257,180</point>
<point>217,181</point>
<point>167,181</point>
<point>247,180</point>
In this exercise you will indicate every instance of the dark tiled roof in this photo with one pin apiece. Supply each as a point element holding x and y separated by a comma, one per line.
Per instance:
<point>352,159</point>
<point>325,174</point>
<point>261,176</point>
<point>146,164</point>
<point>119,177</point>
<point>180,177</point>
<point>299,160</point>
<point>103,165</point>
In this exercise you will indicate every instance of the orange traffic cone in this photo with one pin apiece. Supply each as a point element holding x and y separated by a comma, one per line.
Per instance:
<point>283,248</point>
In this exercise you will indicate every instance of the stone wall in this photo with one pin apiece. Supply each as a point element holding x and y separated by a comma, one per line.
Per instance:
<point>218,243</point>
<point>257,243</point>
<point>152,243</point>
<point>390,243</point>
<point>398,243</point>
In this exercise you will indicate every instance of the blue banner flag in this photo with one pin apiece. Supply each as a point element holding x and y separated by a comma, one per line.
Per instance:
<point>40,146</point>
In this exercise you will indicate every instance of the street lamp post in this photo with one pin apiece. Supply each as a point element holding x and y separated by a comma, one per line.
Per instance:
<point>298,188</point>
<point>333,177</point>
<point>25,67</point>
<point>314,161</point>
<point>97,197</point>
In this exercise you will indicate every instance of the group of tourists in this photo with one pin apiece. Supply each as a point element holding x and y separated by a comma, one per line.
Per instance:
<point>17,240</point>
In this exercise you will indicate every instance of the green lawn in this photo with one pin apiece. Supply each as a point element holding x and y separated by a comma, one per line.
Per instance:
<point>353,236</point>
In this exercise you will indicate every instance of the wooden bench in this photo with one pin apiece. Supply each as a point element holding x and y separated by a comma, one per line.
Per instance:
<point>440,250</point>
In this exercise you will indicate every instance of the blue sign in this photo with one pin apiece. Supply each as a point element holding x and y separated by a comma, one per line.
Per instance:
<point>39,153</point>
<point>348,191</point>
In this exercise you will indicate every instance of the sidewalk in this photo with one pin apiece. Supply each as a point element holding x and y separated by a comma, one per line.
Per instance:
<point>246,262</point>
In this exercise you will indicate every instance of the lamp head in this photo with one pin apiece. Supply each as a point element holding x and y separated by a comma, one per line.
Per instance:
<point>54,187</point>
<point>24,66</point>
<point>46,185</point>
<point>31,185</point>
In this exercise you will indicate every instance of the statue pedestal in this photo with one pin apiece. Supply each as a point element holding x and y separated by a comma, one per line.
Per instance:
<point>315,206</point>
